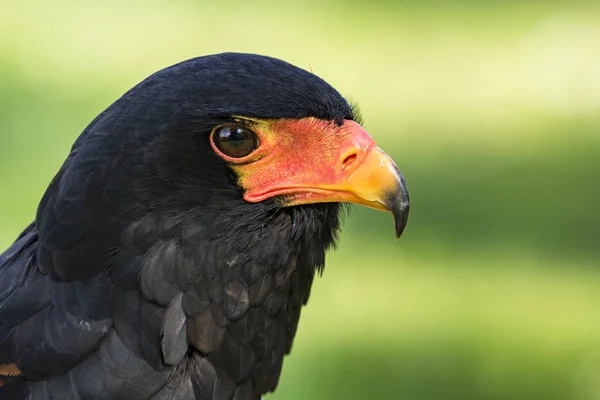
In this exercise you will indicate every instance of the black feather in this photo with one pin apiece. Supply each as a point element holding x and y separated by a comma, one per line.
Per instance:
<point>146,274</point>
<point>174,344</point>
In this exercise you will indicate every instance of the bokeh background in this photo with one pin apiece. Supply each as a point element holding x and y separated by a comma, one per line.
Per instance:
<point>492,111</point>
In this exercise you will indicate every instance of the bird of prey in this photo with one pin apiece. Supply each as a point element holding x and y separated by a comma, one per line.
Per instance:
<point>173,251</point>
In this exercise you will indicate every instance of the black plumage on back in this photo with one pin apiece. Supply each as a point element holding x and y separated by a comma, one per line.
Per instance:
<point>146,275</point>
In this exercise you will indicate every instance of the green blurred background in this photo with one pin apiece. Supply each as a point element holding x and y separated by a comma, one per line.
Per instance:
<point>490,108</point>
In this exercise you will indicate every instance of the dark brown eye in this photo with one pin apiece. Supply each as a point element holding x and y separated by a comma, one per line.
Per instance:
<point>235,141</point>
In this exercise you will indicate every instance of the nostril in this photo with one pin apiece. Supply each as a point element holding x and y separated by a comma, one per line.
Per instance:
<point>348,160</point>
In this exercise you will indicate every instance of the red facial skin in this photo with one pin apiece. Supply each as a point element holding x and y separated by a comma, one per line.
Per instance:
<point>314,161</point>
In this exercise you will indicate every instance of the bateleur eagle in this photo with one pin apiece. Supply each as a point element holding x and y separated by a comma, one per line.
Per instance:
<point>172,252</point>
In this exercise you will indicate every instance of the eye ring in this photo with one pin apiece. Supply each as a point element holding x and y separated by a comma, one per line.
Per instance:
<point>234,141</point>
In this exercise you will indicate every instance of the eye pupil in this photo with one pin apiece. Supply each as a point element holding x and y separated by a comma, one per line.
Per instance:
<point>235,142</point>
<point>237,137</point>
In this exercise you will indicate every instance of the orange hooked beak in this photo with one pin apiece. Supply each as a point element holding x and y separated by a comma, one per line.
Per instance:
<point>314,161</point>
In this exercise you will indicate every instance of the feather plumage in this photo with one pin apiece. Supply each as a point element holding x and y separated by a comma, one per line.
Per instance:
<point>146,275</point>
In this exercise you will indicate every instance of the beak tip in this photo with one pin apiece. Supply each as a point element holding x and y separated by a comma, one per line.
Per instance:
<point>400,213</point>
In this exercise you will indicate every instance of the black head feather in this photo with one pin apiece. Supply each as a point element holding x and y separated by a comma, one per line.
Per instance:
<point>149,152</point>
